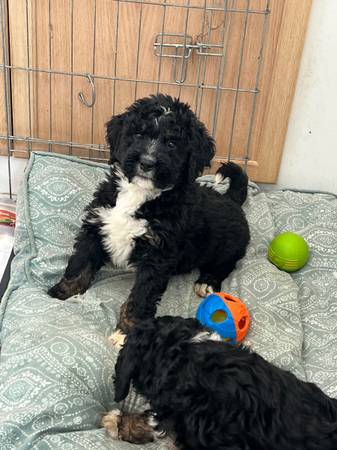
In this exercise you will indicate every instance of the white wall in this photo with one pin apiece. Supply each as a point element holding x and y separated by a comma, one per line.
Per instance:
<point>310,153</point>
<point>17,169</point>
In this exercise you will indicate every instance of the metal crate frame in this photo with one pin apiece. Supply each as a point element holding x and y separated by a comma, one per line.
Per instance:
<point>179,54</point>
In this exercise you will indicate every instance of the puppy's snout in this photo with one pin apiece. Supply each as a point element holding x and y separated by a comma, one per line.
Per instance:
<point>146,163</point>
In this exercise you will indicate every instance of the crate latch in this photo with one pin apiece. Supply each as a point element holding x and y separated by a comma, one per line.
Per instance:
<point>179,47</point>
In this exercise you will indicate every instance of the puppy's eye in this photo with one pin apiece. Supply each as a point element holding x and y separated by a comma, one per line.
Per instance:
<point>171,144</point>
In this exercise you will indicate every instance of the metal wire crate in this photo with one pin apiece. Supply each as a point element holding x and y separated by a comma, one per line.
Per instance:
<point>45,83</point>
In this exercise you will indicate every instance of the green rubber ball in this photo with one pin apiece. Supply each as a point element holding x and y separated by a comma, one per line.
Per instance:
<point>288,251</point>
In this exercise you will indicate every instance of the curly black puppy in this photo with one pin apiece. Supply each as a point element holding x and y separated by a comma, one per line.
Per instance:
<point>212,395</point>
<point>150,213</point>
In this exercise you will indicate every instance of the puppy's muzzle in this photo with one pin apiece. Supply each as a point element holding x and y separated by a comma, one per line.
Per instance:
<point>146,163</point>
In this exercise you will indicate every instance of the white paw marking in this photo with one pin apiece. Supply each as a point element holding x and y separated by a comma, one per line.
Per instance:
<point>247,343</point>
<point>218,178</point>
<point>152,421</point>
<point>110,422</point>
<point>202,290</point>
<point>160,434</point>
<point>117,339</point>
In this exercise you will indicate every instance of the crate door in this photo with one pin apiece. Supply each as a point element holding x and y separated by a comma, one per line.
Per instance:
<point>234,61</point>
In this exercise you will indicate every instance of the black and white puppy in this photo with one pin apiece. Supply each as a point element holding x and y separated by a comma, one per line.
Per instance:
<point>150,213</point>
<point>211,395</point>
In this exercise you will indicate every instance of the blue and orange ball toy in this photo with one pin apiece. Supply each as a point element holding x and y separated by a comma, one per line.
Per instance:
<point>225,314</point>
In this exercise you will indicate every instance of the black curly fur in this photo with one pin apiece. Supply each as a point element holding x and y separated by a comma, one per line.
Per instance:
<point>214,396</point>
<point>189,226</point>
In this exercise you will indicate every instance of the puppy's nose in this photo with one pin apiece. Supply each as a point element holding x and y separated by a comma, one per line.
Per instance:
<point>146,163</point>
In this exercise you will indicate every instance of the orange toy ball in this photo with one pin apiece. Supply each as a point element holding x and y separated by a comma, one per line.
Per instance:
<point>225,314</point>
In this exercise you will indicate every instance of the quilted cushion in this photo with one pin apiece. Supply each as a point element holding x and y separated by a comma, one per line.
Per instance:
<point>56,365</point>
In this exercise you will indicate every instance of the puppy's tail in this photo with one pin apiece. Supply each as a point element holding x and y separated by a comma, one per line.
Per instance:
<point>238,187</point>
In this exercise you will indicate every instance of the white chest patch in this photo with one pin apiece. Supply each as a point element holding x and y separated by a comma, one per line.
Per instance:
<point>120,226</point>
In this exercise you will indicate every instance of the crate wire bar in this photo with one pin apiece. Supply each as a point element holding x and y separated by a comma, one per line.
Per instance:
<point>181,53</point>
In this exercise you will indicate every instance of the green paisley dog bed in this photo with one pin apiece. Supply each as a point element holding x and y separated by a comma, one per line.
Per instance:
<point>56,365</point>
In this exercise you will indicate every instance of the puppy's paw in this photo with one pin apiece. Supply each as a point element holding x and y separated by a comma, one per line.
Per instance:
<point>66,288</point>
<point>111,422</point>
<point>203,289</point>
<point>139,428</point>
<point>117,339</point>
<point>157,433</point>
<point>126,320</point>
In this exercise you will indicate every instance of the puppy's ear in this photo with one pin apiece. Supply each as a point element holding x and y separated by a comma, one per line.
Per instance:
<point>125,366</point>
<point>113,134</point>
<point>202,150</point>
